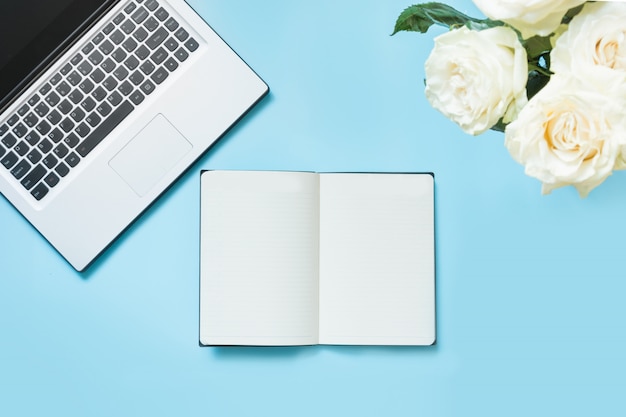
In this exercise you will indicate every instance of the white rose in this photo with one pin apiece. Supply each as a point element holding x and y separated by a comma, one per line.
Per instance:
<point>475,78</point>
<point>530,17</point>
<point>594,45</point>
<point>568,134</point>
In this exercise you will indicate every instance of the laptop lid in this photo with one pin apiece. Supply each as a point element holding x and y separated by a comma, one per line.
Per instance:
<point>34,32</point>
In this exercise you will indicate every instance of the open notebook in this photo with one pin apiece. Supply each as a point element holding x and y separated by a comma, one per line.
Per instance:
<point>301,258</point>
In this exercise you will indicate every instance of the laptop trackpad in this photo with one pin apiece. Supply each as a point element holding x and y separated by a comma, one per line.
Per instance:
<point>150,155</point>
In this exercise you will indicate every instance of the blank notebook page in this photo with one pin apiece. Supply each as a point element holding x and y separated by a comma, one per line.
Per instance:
<point>259,250</point>
<point>377,259</point>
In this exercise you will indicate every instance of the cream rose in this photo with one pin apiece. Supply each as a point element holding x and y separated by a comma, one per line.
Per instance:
<point>530,17</point>
<point>568,134</point>
<point>475,78</point>
<point>594,45</point>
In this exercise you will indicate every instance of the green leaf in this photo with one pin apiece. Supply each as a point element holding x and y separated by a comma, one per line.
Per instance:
<point>537,46</point>
<point>420,17</point>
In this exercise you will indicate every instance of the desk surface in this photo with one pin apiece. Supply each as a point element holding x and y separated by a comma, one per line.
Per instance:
<point>530,288</point>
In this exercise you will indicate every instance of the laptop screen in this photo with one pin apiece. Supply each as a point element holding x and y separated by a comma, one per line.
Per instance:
<point>32,31</point>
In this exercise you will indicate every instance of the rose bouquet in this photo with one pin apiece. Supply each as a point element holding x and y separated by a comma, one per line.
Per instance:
<point>550,74</point>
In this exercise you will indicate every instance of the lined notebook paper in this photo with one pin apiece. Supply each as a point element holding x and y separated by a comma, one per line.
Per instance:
<point>300,258</point>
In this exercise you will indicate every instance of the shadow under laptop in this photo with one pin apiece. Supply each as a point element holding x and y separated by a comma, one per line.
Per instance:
<point>193,170</point>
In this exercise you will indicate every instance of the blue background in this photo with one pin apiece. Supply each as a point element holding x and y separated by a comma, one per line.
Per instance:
<point>530,288</point>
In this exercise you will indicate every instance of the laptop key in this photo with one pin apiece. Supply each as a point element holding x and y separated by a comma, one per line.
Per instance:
<point>142,52</point>
<point>21,148</point>
<point>108,28</point>
<point>159,75</point>
<point>107,126</point>
<point>40,191</point>
<point>67,125</point>
<point>106,47</point>
<point>107,65</point>
<point>99,93</point>
<point>44,146</point>
<point>54,117</point>
<point>125,88</point>
<point>31,120</point>
<point>20,169</point>
<point>20,130</point>
<point>132,62</point>
<point>9,160</point>
<point>34,176</point>
<point>117,37</point>
<point>86,86</point>
<point>61,151</point>
<point>171,64</point>
<point>62,170</point>
<point>120,72</point>
<point>151,23</point>
<point>136,78</point>
<point>42,109</point>
<point>147,87</point>
<point>192,44</point>
<point>55,135</point>
<point>97,75</point>
<point>140,15</point>
<point>96,57</point>
<point>45,89</point>
<point>55,79</point>
<point>129,44</point>
<point>13,119</point>
<point>71,140</point>
<point>147,67</point>
<point>72,160</point>
<point>23,110</point>
<point>110,83</point>
<point>43,127</point>
<point>52,99</point>
<point>50,161</point>
<point>87,48</point>
<point>34,156</point>
<point>171,24</point>
<point>9,140</point>
<point>76,96</point>
<point>120,16</point>
<point>32,138</point>
<point>181,34</point>
<point>33,100</point>
<point>140,34</point>
<point>78,114</point>
<point>93,119</point>
<point>161,14</point>
<point>65,106</point>
<point>104,109</point>
<point>119,55</point>
<point>51,179</point>
<point>74,78</point>
<point>157,38</point>
<point>82,130</point>
<point>114,98</point>
<point>171,44</point>
<point>136,97</point>
<point>159,56</point>
<point>152,5</point>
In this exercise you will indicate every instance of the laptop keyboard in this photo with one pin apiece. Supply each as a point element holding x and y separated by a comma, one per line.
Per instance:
<point>76,108</point>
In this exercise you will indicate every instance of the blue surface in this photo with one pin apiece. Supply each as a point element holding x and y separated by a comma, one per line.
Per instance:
<point>530,288</point>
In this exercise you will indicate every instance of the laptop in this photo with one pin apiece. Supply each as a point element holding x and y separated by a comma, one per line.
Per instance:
<point>105,103</point>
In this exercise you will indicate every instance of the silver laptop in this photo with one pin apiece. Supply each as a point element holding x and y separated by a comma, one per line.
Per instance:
<point>104,103</point>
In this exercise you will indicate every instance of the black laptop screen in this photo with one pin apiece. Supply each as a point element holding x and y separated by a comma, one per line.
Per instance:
<point>32,30</point>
